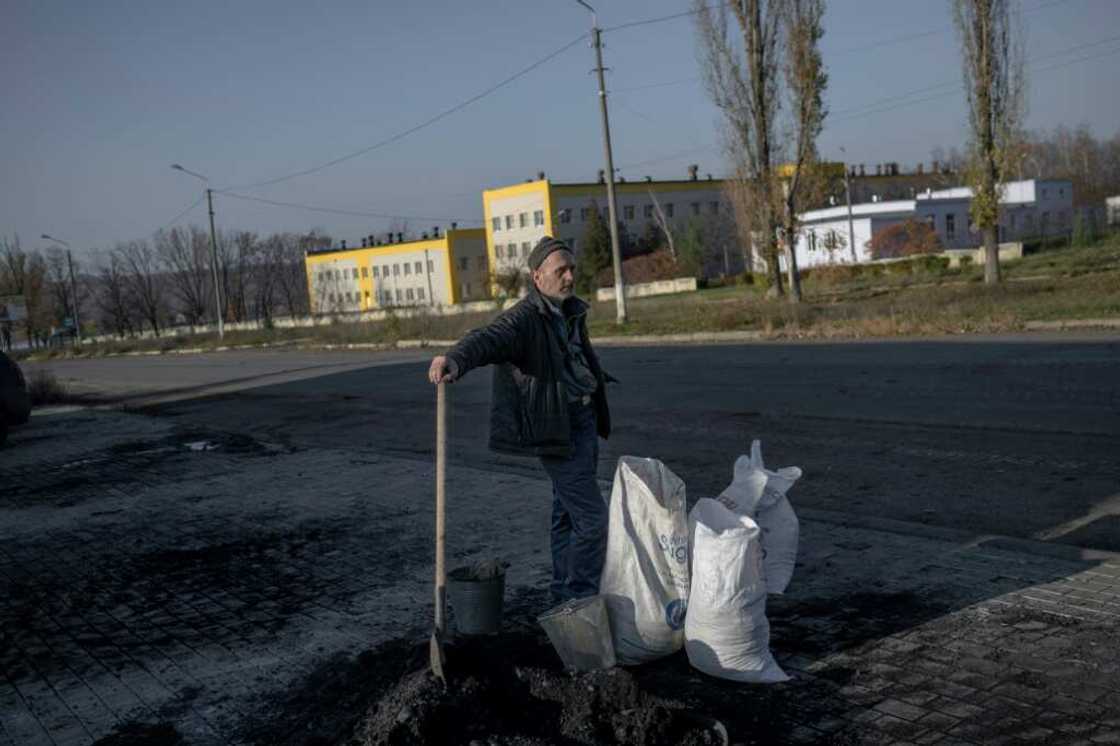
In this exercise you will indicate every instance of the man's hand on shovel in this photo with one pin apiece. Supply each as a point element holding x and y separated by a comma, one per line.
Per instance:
<point>443,370</point>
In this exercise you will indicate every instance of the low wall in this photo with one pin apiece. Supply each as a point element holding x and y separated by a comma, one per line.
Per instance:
<point>1011,250</point>
<point>658,287</point>
<point>326,319</point>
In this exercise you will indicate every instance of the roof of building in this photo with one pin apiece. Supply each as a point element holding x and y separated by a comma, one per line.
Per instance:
<point>861,210</point>
<point>438,240</point>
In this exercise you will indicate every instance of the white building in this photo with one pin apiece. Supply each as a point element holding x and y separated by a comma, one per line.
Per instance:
<point>1028,209</point>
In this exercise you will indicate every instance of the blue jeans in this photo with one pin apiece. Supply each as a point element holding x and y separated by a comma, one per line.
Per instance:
<point>579,513</point>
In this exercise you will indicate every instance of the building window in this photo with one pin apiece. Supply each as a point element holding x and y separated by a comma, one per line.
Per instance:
<point>398,295</point>
<point>695,208</point>
<point>538,217</point>
<point>628,212</point>
<point>464,262</point>
<point>330,297</point>
<point>419,267</point>
<point>431,266</point>
<point>347,297</point>
<point>583,213</point>
<point>812,240</point>
<point>1044,193</point>
<point>365,272</point>
<point>420,294</point>
<point>1011,217</point>
<point>523,220</point>
<point>337,275</point>
<point>565,216</point>
<point>396,270</point>
<point>669,209</point>
<point>525,248</point>
<point>496,224</point>
<point>367,297</point>
<point>509,222</point>
<point>408,294</point>
<point>511,251</point>
<point>713,207</point>
<point>375,272</point>
<point>355,273</point>
<point>464,290</point>
<point>648,212</point>
<point>950,226</point>
<point>572,244</point>
<point>1061,192</point>
<point>407,268</point>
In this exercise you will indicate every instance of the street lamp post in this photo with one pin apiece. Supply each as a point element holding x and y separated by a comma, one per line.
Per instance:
<point>73,289</point>
<point>848,198</point>
<point>612,207</point>
<point>213,248</point>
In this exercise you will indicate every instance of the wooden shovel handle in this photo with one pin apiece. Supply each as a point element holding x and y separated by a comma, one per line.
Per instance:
<point>441,529</point>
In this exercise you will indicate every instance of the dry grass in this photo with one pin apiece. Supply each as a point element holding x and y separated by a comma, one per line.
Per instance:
<point>43,388</point>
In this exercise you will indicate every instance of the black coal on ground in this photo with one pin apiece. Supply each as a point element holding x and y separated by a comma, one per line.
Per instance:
<point>510,690</point>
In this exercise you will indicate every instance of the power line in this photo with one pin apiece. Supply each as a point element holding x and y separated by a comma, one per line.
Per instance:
<point>934,32</point>
<point>880,106</point>
<point>338,211</point>
<point>886,104</point>
<point>179,217</point>
<point>426,123</point>
<point>662,19</point>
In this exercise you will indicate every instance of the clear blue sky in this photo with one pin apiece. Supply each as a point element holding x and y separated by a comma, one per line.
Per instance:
<point>99,98</point>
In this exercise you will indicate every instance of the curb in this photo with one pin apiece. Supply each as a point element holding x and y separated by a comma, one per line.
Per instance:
<point>960,537</point>
<point>1039,326</point>
<point>638,340</point>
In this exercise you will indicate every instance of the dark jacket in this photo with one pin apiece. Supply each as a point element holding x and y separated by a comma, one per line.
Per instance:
<point>529,408</point>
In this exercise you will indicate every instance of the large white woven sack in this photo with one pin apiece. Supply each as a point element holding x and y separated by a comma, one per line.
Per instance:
<point>726,631</point>
<point>757,492</point>
<point>645,576</point>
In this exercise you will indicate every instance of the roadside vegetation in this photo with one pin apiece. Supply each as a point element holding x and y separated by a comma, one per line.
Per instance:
<point>918,296</point>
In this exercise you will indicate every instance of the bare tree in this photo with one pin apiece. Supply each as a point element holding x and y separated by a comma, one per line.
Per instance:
<point>143,280</point>
<point>24,273</point>
<point>185,252</point>
<point>291,274</point>
<point>114,308</point>
<point>741,74</point>
<point>57,284</point>
<point>806,81</point>
<point>244,254</point>
<point>993,77</point>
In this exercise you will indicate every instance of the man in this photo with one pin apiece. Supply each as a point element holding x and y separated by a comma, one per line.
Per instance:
<point>549,400</point>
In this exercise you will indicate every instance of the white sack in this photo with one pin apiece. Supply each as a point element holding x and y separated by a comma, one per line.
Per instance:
<point>726,631</point>
<point>757,492</point>
<point>645,576</point>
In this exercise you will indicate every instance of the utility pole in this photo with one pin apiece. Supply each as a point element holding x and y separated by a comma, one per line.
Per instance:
<point>73,287</point>
<point>612,207</point>
<point>74,297</point>
<point>213,248</point>
<point>848,197</point>
<point>214,265</point>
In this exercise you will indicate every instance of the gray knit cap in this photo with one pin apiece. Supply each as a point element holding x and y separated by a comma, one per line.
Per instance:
<point>544,247</point>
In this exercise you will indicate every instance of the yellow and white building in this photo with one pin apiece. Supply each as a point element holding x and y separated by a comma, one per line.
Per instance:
<point>434,271</point>
<point>517,216</point>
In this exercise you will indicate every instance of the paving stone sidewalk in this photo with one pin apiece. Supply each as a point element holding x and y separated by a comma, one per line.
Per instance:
<point>199,581</point>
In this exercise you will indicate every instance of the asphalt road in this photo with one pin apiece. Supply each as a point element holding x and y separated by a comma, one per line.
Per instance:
<point>1017,436</point>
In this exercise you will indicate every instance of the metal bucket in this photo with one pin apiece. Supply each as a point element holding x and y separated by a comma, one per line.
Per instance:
<point>477,603</point>
<point>581,634</point>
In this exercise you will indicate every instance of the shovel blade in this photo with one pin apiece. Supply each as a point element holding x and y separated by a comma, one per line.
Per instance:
<point>436,657</point>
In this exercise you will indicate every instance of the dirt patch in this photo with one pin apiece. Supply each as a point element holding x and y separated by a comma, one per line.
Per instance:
<point>510,690</point>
